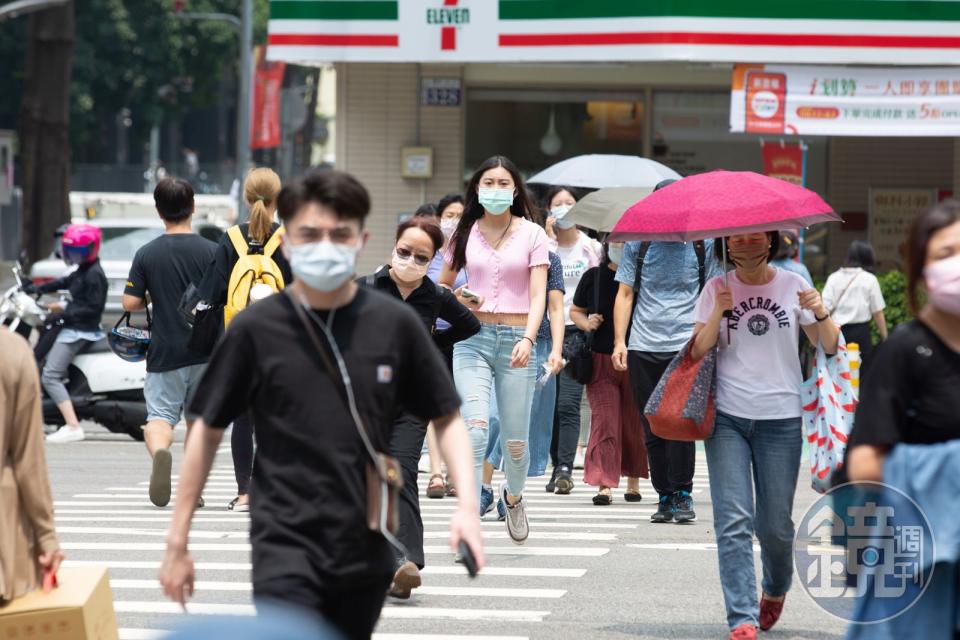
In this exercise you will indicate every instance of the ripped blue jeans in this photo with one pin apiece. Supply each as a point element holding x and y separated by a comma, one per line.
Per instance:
<point>481,364</point>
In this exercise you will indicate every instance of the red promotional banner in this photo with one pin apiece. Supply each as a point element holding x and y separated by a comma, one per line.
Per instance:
<point>784,161</point>
<point>267,83</point>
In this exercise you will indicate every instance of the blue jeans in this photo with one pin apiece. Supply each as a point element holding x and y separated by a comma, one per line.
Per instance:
<point>744,456</point>
<point>541,420</point>
<point>481,365</point>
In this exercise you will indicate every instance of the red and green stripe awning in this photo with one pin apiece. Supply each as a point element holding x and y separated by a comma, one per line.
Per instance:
<point>897,32</point>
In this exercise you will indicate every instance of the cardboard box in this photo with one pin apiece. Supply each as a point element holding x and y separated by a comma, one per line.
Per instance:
<point>80,608</point>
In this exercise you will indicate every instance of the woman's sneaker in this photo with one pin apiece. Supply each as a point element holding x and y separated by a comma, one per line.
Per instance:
<point>517,525</point>
<point>683,512</point>
<point>66,434</point>
<point>664,512</point>
<point>552,485</point>
<point>486,500</point>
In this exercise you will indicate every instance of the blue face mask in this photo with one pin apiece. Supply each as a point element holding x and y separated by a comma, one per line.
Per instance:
<point>323,266</point>
<point>496,201</point>
<point>615,254</point>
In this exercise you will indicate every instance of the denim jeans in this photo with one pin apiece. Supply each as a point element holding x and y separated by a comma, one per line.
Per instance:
<point>481,365</point>
<point>744,456</point>
<point>541,420</point>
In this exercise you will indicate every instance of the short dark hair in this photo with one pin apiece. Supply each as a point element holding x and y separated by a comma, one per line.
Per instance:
<point>173,198</point>
<point>771,255</point>
<point>338,190</point>
<point>861,254</point>
<point>938,217</point>
<point>426,224</point>
<point>448,200</point>
<point>426,210</point>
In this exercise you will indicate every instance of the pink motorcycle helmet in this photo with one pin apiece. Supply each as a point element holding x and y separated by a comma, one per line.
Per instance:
<point>80,243</point>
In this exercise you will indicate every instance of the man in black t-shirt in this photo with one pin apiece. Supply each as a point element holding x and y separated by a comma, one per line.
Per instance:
<point>163,268</point>
<point>284,360</point>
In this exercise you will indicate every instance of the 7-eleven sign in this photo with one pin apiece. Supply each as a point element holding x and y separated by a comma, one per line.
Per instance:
<point>449,17</point>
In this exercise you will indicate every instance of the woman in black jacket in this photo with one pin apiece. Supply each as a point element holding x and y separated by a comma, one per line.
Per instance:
<point>418,241</point>
<point>260,190</point>
<point>80,317</point>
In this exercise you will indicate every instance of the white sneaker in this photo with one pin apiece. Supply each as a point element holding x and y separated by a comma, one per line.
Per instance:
<point>518,527</point>
<point>66,434</point>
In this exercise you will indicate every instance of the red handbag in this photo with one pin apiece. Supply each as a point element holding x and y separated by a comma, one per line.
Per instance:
<point>683,405</point>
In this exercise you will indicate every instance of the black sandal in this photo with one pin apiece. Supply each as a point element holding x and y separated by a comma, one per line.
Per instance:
<point>603,499</point>
<point>632,496</point>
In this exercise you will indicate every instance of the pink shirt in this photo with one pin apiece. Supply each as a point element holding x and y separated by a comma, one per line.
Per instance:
<point>502,277</point>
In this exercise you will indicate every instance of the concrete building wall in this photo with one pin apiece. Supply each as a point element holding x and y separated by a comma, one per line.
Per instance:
<point>857,164</point>
<point>378,114</point>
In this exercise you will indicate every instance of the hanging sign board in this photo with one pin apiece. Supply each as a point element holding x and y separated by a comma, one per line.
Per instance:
<point>845,101</point>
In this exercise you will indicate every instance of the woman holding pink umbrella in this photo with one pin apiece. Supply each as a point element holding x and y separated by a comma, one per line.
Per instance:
<point>755,314</point>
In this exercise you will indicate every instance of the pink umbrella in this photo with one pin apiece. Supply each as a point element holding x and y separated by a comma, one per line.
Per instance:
<point>721,203</point>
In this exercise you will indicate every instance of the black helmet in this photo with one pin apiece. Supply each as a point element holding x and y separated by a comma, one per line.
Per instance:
<point>130,343</point>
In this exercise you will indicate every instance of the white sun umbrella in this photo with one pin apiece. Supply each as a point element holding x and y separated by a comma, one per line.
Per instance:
<point>602,209</point>
<point>600,171</point>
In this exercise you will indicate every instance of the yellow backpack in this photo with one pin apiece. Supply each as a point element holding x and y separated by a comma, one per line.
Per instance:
<point>250,270</point>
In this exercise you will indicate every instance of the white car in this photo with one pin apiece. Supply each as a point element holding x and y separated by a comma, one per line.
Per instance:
<point>122,237</point>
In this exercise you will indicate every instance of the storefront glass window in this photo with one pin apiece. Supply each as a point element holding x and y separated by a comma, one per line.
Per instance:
<point>538,129</point>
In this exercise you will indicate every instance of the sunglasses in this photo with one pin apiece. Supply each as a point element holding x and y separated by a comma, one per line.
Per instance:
<point>406,254</point>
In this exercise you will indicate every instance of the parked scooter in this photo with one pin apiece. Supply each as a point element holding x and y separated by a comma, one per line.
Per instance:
<point>103,387</point>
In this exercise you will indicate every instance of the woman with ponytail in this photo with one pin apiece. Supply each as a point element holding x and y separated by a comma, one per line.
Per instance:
<point>261,237</point>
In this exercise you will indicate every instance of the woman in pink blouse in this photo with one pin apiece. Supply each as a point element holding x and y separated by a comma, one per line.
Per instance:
<point>506,259</point>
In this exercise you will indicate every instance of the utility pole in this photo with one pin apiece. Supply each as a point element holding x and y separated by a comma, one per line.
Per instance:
<point>243,109</point>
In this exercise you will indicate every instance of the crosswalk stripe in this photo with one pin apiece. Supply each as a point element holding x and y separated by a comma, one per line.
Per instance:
<point>560,509</point>
<point>389,611</point>
<point>477,592</point>
<point>243,535</point>
<point>515,550</point>
<point>440,570</point>
<point>233,518</point>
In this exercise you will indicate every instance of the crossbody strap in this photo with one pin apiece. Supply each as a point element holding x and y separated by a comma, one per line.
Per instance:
<point>641,257</point>
<point>836,305</point>
<point>701,248</point>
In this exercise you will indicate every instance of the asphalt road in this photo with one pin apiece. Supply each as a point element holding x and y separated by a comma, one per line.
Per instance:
<point>586,572</point>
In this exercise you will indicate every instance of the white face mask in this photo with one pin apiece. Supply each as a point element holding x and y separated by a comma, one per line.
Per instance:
<point>406,269</point>
<point>323,265</point>
<point>448,226</point>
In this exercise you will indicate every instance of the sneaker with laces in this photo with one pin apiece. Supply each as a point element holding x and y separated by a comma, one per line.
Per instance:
<point>744,632</point>
<point>564,481</point>
<point>486,500</point>
<point>683,512</point>
<point>518,527</point>
<point>501,509</point>
<point>664,512</point>
<point>552,485</point>
<point>66,434</point>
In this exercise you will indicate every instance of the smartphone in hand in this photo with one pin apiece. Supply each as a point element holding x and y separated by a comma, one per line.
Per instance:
<point>468,560</point>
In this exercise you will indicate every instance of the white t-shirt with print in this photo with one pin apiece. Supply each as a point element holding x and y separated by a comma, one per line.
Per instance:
<point>576,260</point>
<point>758,367</point>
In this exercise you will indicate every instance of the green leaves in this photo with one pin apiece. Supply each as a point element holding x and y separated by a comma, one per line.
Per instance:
<point>893,285</point>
